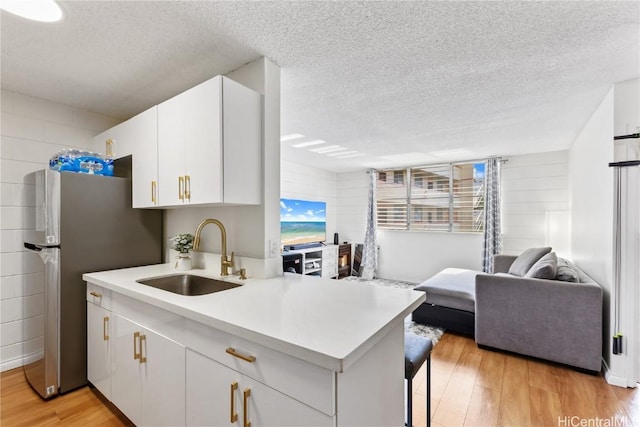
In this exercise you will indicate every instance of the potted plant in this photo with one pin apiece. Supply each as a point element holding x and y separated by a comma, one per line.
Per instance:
<point>182,243</point>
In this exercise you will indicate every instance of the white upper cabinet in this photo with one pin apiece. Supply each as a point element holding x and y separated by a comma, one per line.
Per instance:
<point>209,145</point>
<point>138,137</point>
<point>201,147</point>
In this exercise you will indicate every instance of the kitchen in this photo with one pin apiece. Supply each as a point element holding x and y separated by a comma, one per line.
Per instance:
<point>251,231</point>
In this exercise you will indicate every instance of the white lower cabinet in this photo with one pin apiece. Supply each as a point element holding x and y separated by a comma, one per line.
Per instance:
<point>220,396</point>
<point>148,379</point>
<point>98,348</point>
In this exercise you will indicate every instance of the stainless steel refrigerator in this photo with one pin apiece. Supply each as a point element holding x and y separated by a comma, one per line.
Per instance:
<point>83,223</point>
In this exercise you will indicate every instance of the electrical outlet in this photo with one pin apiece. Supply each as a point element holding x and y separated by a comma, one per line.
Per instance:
<point>273,248</point>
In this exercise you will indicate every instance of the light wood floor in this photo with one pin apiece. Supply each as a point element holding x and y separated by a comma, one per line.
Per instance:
<point>469,387</point>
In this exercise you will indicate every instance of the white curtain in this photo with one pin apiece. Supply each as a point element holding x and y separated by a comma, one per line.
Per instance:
<point>492,232</point>
<point>370,247</point>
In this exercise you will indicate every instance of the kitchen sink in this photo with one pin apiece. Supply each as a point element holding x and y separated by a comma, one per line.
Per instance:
<point>187,284</point>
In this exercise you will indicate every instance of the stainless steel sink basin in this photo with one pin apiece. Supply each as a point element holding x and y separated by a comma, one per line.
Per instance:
<point>187,284</point>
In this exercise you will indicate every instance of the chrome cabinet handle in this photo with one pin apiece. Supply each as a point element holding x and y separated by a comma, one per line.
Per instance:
<point>105,328</point>
<point>234,415</point>
<point>245,407</point>
<point>233,352</point>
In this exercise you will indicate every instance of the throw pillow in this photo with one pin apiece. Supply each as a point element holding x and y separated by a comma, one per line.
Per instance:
<point>566,272</point>
<point>525,261</point>
<point>545,268</point>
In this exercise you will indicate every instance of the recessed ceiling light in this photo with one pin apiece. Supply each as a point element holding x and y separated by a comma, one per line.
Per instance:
<point>309,143</point>
<point>36,10</point>
<point>328,149</point>
<point>290,137</point>
<point>348,156</point>
<point>342,153</point>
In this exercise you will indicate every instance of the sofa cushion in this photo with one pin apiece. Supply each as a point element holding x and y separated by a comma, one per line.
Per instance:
<point>545,268</point>
<point>567,272</point>
<point>525,261</point>
<point>452,287</point>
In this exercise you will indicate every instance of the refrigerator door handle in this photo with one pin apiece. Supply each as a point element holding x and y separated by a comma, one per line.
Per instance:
<point>39,247</point>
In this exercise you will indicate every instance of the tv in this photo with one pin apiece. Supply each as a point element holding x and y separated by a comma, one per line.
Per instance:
<point>303,223</point>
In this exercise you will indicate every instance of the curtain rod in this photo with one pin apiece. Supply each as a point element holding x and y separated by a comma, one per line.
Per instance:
<point>624,164</point>
<point>500,159</point>
<point>630,136</point>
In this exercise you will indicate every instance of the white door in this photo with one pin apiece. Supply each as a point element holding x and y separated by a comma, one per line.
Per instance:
<point>143,138</point>
<point>163,386</point>
<point>218,395</point>
<point>171,151</point>
<point>204,168</point>
<point>98,343</point>
<point>126,384</point>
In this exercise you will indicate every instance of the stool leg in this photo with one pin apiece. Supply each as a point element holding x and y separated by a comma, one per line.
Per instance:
<point>429,391</point>
<point>409,403</point>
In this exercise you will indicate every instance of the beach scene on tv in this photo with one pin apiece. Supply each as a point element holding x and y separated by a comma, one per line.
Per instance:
<point>302,221</point>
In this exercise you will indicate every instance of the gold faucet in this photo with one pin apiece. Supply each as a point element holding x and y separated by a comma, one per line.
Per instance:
<point>225,263</point>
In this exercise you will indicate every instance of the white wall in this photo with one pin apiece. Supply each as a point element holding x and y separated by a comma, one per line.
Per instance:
<point>308,183</point>
<point>535,203</point>
<point>251,229</point>
<point>591,190</point>
<point>352,198</point>
<point>626,108</point>
<point>32,131</point>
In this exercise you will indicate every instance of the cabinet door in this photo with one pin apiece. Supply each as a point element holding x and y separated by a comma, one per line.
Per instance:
<point>143,134</point>
<point>171,151</point>
<point>242,129</point>
<point>330,261</point>
<point>126,384</point>
<point>163,384</point>
<point>98,349</point>
<point>216,396</point>
<point>203,142</point>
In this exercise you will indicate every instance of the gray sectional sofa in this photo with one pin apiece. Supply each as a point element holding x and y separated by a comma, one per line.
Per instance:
<point>547,308</point>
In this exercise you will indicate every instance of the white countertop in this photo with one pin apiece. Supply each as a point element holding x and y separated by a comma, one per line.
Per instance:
<point>330,323</point>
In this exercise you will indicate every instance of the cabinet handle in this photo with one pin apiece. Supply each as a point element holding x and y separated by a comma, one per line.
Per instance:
<point>233,352</point>
<point>136,336</point>
<point>245,407</point>
<point>153,192</point>
<point>105,328</point>
<point>95,294</point>
<point>234,415</point>
<point>180,188</point>
<point>187,187</point>
<point>143,339</point>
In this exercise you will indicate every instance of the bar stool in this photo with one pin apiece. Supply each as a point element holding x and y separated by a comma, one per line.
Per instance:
<point>417,350</point>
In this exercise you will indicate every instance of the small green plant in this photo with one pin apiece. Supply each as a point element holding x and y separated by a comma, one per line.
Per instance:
<point>182,243</point>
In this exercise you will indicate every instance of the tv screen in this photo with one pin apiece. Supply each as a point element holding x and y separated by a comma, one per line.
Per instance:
<point>302,221</point>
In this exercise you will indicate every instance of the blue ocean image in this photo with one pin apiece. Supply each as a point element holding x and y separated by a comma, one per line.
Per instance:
<point>302,221</point>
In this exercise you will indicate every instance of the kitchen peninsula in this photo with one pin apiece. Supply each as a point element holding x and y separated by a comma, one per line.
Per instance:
<point>290,350</point>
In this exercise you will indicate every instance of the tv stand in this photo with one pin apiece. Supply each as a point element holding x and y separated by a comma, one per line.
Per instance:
<point>319,261</point>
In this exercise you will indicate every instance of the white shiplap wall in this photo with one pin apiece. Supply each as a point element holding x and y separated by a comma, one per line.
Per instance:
<point>535,202</point>
<point>352,194</point>
<point>32,131</point>
<point>308,183</point>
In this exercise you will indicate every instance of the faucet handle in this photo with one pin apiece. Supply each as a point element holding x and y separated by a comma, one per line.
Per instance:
<point>231,260</point>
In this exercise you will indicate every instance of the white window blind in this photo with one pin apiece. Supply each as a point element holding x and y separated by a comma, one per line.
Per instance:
<point>447,197</point>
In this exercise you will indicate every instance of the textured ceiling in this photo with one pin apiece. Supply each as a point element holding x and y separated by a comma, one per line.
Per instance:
<point>399,82</point>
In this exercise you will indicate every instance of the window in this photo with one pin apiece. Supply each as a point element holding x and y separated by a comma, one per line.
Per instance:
<point>452,199</point>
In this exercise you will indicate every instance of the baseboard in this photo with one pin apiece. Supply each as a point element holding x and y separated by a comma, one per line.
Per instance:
<point>613,379</point>
<point>7,365</point>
